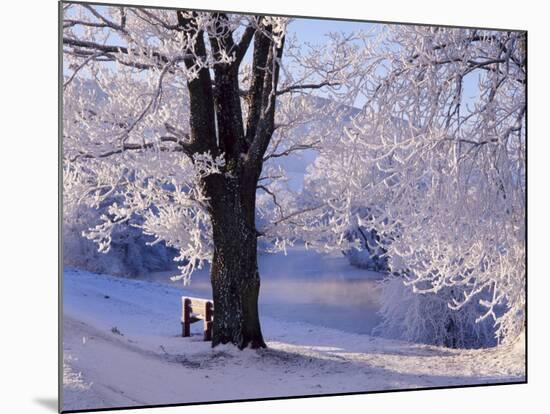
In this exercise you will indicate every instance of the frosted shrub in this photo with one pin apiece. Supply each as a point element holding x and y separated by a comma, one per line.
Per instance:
<point>427,318</point>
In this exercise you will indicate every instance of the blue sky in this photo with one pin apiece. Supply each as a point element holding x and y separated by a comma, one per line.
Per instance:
<point>313,30</point>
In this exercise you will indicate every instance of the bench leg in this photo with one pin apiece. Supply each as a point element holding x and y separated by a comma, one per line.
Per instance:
<point>208,321</point>
<point>186,324</point>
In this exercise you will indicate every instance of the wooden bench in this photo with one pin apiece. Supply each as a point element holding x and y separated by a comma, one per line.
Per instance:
<point>194,310</point>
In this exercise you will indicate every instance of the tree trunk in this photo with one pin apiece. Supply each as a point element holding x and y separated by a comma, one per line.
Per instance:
<point>234,274</point>
<point>217,127</point>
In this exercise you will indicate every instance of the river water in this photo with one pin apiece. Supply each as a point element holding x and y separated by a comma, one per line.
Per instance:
<point>305,286</point>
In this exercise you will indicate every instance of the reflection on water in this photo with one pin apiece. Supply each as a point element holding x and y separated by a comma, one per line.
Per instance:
<point>334,295</point>
<point>347,305</point>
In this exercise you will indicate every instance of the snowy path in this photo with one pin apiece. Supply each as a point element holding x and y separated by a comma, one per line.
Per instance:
<point>144,361</point>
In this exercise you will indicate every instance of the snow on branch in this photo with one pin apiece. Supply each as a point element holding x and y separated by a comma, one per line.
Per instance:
<point>435,164</point>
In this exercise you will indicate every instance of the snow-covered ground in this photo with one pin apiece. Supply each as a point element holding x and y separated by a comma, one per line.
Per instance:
<point>122,347</point>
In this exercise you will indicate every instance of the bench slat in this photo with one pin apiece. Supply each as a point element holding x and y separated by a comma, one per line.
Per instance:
<point>198,305</point>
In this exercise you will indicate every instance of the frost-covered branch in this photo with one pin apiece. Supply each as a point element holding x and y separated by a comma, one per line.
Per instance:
<point>438,172</point>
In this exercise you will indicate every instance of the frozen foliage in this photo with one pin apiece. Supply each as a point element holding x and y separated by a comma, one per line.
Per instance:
<point>129,254</point>
<point>370,254</point>
<point>433,164</point>
<point>437,154</point>
<point>428,318</point>
<point>120,143</point>
<point>130,146</point>
<point>141,208</point>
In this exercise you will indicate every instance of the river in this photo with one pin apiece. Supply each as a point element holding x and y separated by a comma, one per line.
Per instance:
<point>305,286</point>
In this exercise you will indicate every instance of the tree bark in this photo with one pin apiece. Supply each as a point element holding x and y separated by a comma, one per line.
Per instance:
<point>234,274</point>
